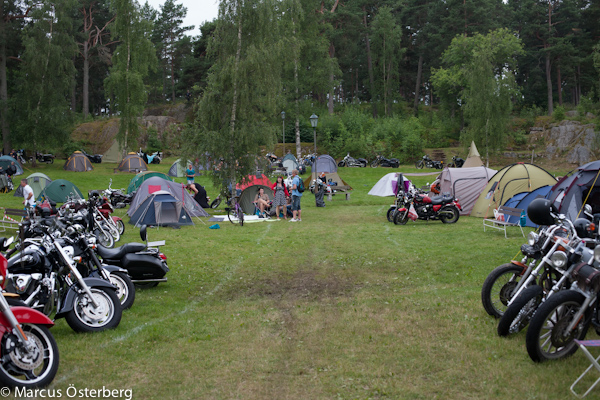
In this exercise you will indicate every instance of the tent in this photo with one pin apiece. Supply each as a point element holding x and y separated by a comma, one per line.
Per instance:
<point>60,190</point>
<point>290,163</point>
<point>250,180</point>
<point>5,163</point>
<point>137,180</point>
<point>465,184</point>
<point>178,168</point>
<point>248,195</point>
<point>581,186</point>
<point>133,163</point>
<point>78,162</point>
<point>37,181</point>
<point>113,154</point>
<point>388,185</point>
<point>161,208</point>
<point>324,163</point>
<point>154,184</point>
<point>473,159</point>
<point>510,180</point>
<point>522,200</point>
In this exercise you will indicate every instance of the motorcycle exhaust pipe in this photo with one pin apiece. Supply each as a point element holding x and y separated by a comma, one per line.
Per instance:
<point>148,280</point>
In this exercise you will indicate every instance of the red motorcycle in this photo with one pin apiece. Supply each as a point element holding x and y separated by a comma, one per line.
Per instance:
<point>29,351</point>
<point>421,206</point>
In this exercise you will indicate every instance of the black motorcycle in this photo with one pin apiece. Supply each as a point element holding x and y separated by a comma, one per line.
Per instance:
<point>381,161</point>
<point>457,162</point>
<point>45,276</point>
<point>118,198</point>
<point>43,158</point>
<point>429,163</point>
<point>95,158</point>
<point>144,262</point>
<point>349,161</point>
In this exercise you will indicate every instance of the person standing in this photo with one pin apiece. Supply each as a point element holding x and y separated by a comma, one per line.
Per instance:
<point>281,195</point>
<point>296,196</point>
<point>27,194</point>
<point>189,174</point>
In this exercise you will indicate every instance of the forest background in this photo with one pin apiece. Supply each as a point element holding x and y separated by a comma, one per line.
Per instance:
<point>385,77</point>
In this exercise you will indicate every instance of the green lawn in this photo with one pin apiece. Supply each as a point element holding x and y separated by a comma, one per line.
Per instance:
<point>341,305</point>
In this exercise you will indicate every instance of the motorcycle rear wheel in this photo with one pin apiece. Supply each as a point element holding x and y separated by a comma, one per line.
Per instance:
<point>545,338</point>
<point>363,164</point>
<point>517,315</point>
<point>29,369</point>
<point>215,203</point>
<point>445,215</point>
<point>84,317</point>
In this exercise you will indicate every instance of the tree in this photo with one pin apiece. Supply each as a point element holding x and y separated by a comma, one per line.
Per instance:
<point>45,77</point>
<point>131,61</point>
<point>168,28</point>
<point>232,119</point>
<point>481,71</point>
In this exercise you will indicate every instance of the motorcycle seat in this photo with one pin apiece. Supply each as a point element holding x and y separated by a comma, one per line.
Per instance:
<point>118,252</point>
<point>438,200</point>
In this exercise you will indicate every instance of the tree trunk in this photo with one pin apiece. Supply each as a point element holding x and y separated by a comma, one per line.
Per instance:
<point>86,79</point>
<point>331,78</point>
<point>559,84</point>
<point>4,93</point>
<point>549,84</point>
<point>235,88</point>
<point>370,64</point>
<point>297,127</point>
<point>418,86</point>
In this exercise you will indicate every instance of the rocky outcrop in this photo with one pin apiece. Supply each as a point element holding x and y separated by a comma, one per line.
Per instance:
<point>571,140</point>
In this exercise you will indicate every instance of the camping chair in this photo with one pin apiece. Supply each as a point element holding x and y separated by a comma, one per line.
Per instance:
<point>583,344</point>
<point>267,209</point>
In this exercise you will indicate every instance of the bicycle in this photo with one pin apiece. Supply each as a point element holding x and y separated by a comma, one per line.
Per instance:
<point>235,213</point>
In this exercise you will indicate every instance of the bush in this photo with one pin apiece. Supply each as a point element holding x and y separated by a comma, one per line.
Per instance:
<point>559,113</point>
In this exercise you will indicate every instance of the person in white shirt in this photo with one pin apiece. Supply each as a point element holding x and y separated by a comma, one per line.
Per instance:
<point>27,193</point>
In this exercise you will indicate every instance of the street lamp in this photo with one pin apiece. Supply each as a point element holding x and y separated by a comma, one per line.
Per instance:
<point>313,122</point>
<point>283,120</point>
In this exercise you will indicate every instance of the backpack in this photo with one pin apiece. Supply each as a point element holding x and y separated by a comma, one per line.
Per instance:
<point>300,186</point>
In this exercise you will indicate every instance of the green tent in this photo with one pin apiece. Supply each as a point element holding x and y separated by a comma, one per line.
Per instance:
<point>60,190</point>
<point>510,180</point>
<point>248,194</point>
<point>37,181</point>
<point>137,180</point>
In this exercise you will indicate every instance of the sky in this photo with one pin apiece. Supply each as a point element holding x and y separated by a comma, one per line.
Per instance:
<point>198,11</point>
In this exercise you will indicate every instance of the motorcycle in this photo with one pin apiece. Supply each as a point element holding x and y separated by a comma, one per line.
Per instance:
<point>421,206</point>
<point>118,198</point>
<point>95,158</point>
<point>457,162</point>
<point>349,161</point>
<point>29,352</point>
<point>381,161</point>
<point>43,158</point>
<point>102,209</point>
<point>144,262</point>
<point>429,163</point>
<point>19,155</point>
<point>45,276</point>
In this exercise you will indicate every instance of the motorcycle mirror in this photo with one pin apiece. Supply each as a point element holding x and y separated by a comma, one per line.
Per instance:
<point>587,209</point>
<point>143,232</point>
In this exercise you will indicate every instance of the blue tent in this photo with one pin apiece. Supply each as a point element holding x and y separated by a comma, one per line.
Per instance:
<point>161,208</point>
<point>524,201</point>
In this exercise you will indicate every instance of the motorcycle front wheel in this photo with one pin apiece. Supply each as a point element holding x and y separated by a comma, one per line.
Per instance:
<point>120,226</point>
<point>419,164</point>
<point>84,317</point>
<point>104,238</point>
<point>517,315</point>
<point>498,288</point>
<point>449,215</point>
<point>29,368</point>
<point>215,203</point>
<point>374,164</point>
<point>341,164</point>
<point>401,217</point>
<point>125,288</point>
<point>390,214</point>
<point>547,338</point>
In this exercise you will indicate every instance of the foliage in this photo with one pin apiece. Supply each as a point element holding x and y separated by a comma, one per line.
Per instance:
<point>559,113</point>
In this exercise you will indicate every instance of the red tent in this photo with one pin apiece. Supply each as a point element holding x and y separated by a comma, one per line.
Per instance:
<point>254,180</point>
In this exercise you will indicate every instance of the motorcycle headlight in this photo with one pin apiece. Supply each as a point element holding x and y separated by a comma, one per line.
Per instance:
<point>532,238</point>
<point>597,254</point>
<point>559,259</point>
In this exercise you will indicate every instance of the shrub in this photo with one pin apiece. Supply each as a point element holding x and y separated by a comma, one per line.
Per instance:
<point>559,113</point>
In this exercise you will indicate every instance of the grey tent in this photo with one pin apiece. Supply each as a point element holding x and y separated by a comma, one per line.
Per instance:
<point>178,168</point>
<point>579,187</point>
<point>37,181</point>
<point>465,184</point>
<point>161,208</point>
<point>133,163</point>
<point>248,195</point>
<point>78,162</point>
<point>290,163</point>
<point>155,184</point>
<point>324,163</point>
<point>5,162</point>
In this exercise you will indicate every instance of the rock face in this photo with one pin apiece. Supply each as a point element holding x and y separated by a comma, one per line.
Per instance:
<point>571,140</point>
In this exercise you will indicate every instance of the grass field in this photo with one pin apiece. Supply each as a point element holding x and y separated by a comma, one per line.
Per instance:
<point>341,305</point>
